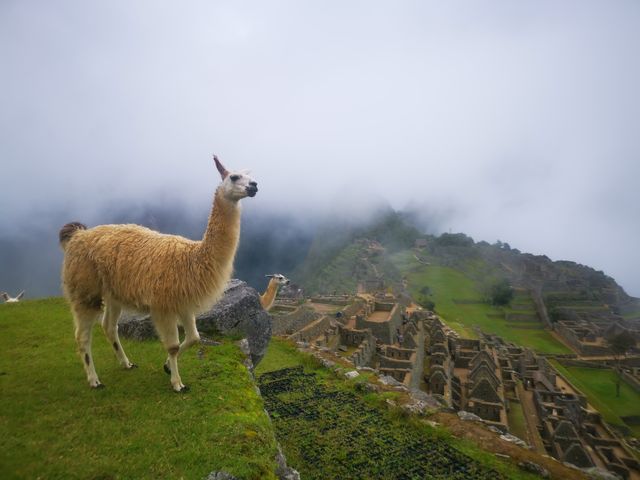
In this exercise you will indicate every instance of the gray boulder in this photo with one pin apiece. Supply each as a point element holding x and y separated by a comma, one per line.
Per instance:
<point>220,476</point>
<point>237,313</point>
<point>472,417</point>
<point>534,468</point>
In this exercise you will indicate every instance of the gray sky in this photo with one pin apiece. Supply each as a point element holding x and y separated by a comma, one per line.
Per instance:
<point>510,120</point>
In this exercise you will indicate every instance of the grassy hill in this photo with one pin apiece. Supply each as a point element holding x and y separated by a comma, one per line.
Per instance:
<point>459,299</point>
<point>55,426</point>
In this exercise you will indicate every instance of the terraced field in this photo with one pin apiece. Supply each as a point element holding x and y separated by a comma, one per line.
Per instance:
<point>330,433</point>
<point>329,428</point>
<point>459,301</point>
<point>599,387</point>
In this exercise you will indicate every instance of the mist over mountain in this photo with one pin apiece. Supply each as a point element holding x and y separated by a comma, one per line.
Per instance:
<point>299,246</point>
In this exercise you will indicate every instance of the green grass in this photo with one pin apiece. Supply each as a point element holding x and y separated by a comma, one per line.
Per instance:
<point>600,388</point>
<point>447,284</point>
<point>517,422</point>
<point>55,426</point>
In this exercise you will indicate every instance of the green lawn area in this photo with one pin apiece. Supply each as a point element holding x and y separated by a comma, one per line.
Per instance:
<point>55,426</point>
<point>447,285</point>
<point>599,387</point>
<point>517,422</point>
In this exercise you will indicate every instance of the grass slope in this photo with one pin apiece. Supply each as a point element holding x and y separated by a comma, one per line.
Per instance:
<point>328,429</point>
<point>599,385</point>
<point>458,300</point>
<point>57,427</point>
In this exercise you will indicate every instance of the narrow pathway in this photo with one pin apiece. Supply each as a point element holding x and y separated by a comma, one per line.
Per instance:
<point>531,417</point>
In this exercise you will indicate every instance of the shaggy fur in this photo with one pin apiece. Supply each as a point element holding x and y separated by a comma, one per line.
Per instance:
<point>268,298</point>
<point>173,278</point>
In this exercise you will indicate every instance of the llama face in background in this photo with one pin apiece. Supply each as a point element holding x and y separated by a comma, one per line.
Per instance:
<point>236,185</point>
<point>280,279</point>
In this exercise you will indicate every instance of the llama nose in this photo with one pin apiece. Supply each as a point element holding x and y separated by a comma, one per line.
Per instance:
<point>252,189</point>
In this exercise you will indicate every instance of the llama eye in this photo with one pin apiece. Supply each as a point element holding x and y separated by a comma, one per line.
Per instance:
<point>234,178</point>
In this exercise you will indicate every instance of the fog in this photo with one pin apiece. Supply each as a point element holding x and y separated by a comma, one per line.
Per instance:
<point>505,120</point>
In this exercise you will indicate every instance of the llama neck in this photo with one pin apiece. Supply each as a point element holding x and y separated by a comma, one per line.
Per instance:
<point>220,241</point>
<point>269,296</point>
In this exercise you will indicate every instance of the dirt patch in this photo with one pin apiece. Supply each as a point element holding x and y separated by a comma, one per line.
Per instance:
<point>479,434</point>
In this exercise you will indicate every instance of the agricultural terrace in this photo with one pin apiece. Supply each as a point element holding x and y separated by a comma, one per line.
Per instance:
<point>599,385</point>
<point>330,428</point>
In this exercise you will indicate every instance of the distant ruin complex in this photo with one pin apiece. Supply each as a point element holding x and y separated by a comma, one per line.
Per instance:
<point>496,380</point>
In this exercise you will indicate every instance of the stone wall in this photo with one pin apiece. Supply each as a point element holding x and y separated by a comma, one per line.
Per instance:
<point>418,364</point>
<point>541,308</point>
<point>365,351</point>
<point>313,330</point>
<point>287,324</point>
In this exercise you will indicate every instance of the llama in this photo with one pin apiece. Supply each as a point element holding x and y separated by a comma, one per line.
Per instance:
<point>171,277</point>
<point>8,299</point>
<point>269,297</point>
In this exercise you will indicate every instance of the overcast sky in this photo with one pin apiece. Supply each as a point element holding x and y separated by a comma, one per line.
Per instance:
<point>510,120</point>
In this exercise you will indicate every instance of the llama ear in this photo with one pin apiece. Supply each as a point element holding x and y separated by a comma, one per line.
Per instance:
<point>223,171</point>
<point>269,276</point>
<point>20,295</point>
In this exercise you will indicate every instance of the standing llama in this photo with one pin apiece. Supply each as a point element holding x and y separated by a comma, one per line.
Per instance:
<point>173,278</point>
<point>9,299</point>
<point>268,298</point>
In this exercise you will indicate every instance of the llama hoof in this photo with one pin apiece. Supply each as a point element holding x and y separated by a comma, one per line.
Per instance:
<point>183,389</point>
<point>167,370</point>
<point>98,386</point>
<point>131,366</point>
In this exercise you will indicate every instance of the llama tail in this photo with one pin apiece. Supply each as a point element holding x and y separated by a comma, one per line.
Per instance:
<point>69,231</point>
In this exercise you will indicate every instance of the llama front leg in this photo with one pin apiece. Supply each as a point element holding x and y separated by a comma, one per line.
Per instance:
<point>84,320</point>
<point>110,326</point>
<point>168,332</point>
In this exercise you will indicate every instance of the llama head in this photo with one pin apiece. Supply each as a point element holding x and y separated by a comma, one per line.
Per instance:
<point>236,185</point>
<point>279,279</point>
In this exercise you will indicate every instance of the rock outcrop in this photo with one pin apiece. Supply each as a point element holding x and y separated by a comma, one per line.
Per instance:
<point>238,313</point>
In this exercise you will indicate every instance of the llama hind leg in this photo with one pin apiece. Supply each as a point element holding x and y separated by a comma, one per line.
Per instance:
<point>84,320</point>
<point>191,335</point>
<point>168,331</point>
<point>110,326</point>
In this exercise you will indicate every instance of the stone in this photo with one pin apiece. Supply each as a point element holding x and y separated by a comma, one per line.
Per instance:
<point>468,416</point>
<point>389,380</point>
<point>429,401</point>
<point>283,471</point>
<point>507,437</point>
<point>352,374</point>
<point>534,468</point>
<point>327,363</point>
<point>220,476</point>
<point>342,348</point>
<point>238,312</point>
<point>600,474</point>
<point>417,407</point>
